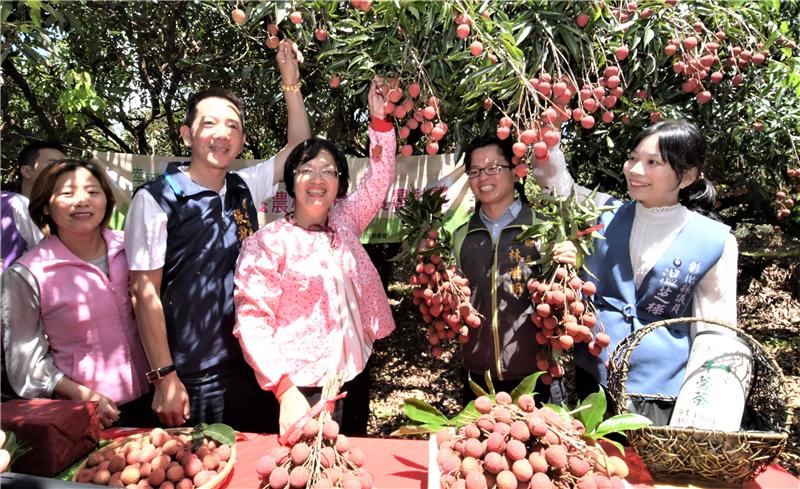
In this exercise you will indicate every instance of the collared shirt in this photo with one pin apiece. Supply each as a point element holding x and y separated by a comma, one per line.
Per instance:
<point>504,220</point>
<point>204,235</point>
<point>146,222</point>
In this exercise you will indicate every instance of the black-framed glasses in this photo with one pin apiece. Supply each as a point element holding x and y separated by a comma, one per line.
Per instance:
<point>324,173</point>
<point>489,170</point>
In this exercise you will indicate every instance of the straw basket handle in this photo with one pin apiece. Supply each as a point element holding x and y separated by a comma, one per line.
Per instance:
<point>730,457</point>
<point>619,360</point>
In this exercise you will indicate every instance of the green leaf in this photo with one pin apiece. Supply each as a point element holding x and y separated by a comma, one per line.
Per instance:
<point>220,432</point>
<point>415,430</point>
<point>5,11</point>
<point>592,416</point>
<point>526,386</point>
<point>421,411</point>
<point>561,412</point>
<point>620,423</point>
<point>197,438</point>
<point>467,415</point>
<point>281,12</point>
<point>572,46</point>
<point>615,443</point>
<point>649,34</point>
<point>477,389</point>
<point>523,34</point>
<point>488,378</point>
<point>35,11</point>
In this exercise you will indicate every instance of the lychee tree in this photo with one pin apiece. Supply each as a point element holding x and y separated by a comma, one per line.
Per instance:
<point>588,73</point>
<point>591,73</point>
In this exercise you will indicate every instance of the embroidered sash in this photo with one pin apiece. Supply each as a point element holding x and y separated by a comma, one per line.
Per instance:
<point>666,291</point>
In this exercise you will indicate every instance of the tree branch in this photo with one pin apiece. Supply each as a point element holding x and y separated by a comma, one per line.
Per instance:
<point>44,120</point>
<point>106,130</point>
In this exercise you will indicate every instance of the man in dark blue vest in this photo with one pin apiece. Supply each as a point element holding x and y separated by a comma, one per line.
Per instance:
<point>182,236</point>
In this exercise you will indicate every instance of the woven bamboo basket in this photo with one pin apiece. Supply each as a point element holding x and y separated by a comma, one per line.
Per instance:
<point>720,457</point>
<point>214,483</point>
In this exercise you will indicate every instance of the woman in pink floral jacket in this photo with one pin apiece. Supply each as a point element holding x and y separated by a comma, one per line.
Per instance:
<point>308,299</point>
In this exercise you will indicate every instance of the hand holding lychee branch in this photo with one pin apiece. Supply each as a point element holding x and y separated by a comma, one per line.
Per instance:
<point>563,314</point>
<point>293,407</point>
<point>438,290</point>
<point>565,253</point>
<point>376,98</point>
<point>315,454</point>
<point>333,382</point>
<point>415,112</point>
<point>289,59</point>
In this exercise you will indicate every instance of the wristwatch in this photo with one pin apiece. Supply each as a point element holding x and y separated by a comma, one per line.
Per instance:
<point>157,374</point>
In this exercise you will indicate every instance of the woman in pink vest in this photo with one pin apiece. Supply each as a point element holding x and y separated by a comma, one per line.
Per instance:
<point>68,325</point>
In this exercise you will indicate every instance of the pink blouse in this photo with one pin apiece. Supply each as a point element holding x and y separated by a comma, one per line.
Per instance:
<point>287,306</point>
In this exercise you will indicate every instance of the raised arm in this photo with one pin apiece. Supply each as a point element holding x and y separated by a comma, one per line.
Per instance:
<point>554,178</point>
<point>366,200</point>
<point>289,58</point>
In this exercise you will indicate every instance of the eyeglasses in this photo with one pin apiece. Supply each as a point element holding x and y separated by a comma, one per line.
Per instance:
<point>489,170</point>
<point>324,173</point>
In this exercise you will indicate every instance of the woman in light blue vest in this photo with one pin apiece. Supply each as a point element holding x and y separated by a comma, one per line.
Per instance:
<point>661,258</point>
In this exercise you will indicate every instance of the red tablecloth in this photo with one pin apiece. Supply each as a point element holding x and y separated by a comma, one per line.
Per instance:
<point>394,463</point>
<point>403,464</point>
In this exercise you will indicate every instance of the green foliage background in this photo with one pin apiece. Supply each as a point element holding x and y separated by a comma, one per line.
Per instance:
<point>115,76</point>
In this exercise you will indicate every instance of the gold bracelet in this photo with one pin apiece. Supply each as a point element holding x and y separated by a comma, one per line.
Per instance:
<point>295,87</point>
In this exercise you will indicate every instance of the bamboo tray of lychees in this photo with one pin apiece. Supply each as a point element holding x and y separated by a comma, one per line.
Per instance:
<point>159,459</point>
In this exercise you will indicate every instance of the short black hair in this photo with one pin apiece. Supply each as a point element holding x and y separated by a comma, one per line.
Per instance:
<point>506,148</point>
<point>28,155</point>
<point>505,145</point>
<point>213,92</point>
<point>307,151</point>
